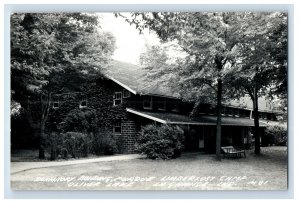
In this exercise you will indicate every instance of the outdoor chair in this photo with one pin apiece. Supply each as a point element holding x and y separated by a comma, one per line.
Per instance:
<point>231,152</point>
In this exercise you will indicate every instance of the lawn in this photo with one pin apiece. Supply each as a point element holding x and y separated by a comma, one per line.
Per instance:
<point>192,171</point>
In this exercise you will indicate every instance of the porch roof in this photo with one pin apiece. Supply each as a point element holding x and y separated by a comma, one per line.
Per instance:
<point>172,118</point>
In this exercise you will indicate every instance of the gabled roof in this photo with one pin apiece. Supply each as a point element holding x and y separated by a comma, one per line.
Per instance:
<point>132,78</point>
<point>172,118</point>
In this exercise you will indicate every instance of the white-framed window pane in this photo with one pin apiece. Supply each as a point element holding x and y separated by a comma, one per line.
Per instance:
<point>117,127</point>
<point>55,104</point>
<point>117,98</point>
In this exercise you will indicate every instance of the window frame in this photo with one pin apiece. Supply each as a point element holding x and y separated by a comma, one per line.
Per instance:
<point>117,126</point>
<point>174,108</point>
<point>129,93</point>
<point>114,98</point>
<point>164,101</point>
<point>55,102</point>
<point>82,100</point>
<point>151,102</point>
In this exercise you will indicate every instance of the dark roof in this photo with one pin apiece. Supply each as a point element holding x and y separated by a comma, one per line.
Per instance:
<point>172,118</point>
<point>132,77</point>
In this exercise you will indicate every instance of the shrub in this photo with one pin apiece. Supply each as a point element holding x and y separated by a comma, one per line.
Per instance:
<point>54,145</point>
<point>79,120</point>
<point>160,142</point>
<point>276,135</point>
<point>76,144</point>
<point>70,144</point>
<point>105,143</point>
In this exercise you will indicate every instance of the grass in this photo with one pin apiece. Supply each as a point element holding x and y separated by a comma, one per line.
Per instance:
<point>201,172</point>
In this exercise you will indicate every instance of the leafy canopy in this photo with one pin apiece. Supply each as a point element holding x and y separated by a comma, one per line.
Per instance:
<point>45,47</point>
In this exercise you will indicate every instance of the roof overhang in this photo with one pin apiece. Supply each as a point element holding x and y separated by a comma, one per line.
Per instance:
<point>151,116</point>
<point>146,116</point>
<point>121,84</point>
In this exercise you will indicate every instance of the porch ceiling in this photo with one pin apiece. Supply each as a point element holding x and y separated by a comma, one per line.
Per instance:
<point>172,118</point>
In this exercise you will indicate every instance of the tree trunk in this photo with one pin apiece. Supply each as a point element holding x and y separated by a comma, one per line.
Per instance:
<point>256,123</point>
<point>45,106</point>
<point>42,141</point>
<point>219,119</point>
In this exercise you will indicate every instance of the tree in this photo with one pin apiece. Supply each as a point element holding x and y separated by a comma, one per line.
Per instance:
<point>213,43</point>
<point>46,48</point>
<point>262,63</point>
<point>209,39</point>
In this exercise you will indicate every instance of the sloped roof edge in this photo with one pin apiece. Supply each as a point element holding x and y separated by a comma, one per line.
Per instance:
<point>191,122</point>
<point>121,84</point>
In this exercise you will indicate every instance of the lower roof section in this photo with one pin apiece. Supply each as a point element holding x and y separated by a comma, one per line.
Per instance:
<point>172,118</point>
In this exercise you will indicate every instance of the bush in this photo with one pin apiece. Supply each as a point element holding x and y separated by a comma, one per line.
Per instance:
<point>70,144</point>
<point>105,143</point>
<point>79,120</point>
<point>160,142</point>
<point>276,135</point>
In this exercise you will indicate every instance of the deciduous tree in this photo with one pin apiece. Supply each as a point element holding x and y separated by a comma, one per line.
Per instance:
<point>213,43</point>
<point>47,47</point>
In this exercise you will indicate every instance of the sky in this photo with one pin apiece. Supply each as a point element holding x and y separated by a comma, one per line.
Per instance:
<point>130,44</point>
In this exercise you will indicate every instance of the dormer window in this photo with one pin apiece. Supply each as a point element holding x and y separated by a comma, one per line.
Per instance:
<point>175,107</point>
<point>126,94</point>
<point>117,98</point>
<point>161,105</point>
<point>147,102</point>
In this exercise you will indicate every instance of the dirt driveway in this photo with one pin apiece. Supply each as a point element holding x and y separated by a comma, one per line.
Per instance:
<point>192,171</point>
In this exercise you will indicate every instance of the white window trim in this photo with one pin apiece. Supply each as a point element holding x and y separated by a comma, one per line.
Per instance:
<point>81,107</point>
<point>114,126</point>
<point>124,93</point>
<point>114,97</point>
<point>55,107</point>
<point>165,105</point>
<point>151,103</point>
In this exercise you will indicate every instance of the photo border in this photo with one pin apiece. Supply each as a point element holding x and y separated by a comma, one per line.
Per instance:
<point>222,194</point>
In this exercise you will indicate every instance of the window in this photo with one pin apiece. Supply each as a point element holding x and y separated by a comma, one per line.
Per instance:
<point>126,94</point>
<point>147,102</point>
<point>175,107</point>
<point>55,104</point>
<point>117,98</point>
<point>228,112</point>
<point>83,102</point>
<point>117,129</point>
<point>161,105</point>
<point>223,111</point>
<point>236,113</point>
<point>264,116</point>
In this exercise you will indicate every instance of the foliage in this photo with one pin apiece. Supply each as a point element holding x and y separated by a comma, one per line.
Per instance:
<point>77,145</point>
<point>70,144</point>
<point>79,120</point>
<point>160,142</point>
<point>277,135</point>
<point>105,143</point>
<point>43,44</point>
<point>218,46</point>
<point>53,53</point>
